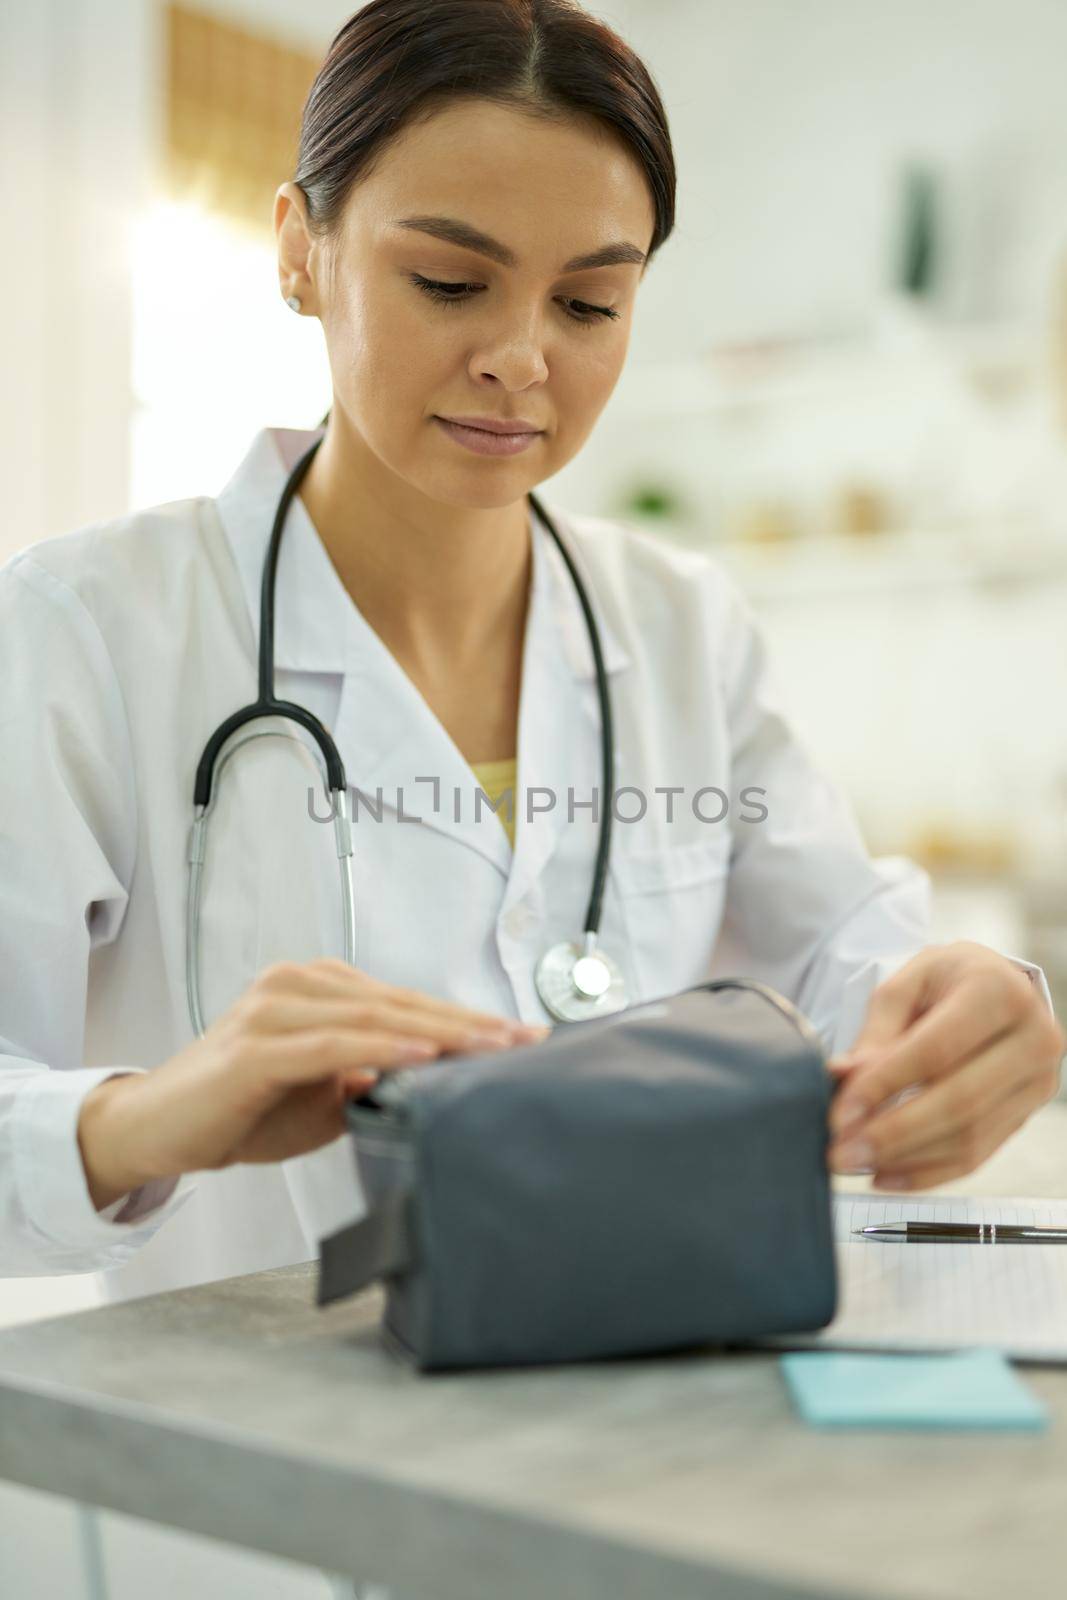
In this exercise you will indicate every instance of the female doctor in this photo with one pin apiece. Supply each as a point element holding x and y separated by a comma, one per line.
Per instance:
<point>481,186</point>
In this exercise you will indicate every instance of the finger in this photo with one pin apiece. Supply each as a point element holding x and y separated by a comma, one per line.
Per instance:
<point>968,1145</point>
<point>918,985</point>
<point>943,1145</point>
<point>959,1101</point>
<point>415,1000</point>
<point>951,1148</point>
<point>980,1008</point>
<point>285,1059</point>
<point>902,998</point>
<point>893,1006</point>
<point>310,977</point>
<point>944,1162</point>
<point>381,1016</point>
<point>287,1013</point>
<point>305,1056</point>
<point>452,1040</point>
<point>462,1016</point>
<point>842,1068</point>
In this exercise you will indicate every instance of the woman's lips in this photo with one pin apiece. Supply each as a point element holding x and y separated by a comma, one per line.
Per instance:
<point>484,443</point>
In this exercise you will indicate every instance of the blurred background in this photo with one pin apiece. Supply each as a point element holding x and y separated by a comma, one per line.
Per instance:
<point>847,378</point>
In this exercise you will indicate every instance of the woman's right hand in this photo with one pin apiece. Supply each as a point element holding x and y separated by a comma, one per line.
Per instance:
<point>270,1076</point>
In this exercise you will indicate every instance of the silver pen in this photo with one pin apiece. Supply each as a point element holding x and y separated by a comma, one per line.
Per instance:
<point>963,1233</point>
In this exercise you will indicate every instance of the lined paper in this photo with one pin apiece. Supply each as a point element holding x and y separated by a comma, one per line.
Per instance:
<point>1010,1297</point>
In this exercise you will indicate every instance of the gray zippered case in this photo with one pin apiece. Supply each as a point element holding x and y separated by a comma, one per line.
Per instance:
<point>648,1181</point>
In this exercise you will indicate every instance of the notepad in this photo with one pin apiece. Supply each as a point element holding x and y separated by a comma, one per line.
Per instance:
<point>963,1389</point>
<point>1009,1297</point>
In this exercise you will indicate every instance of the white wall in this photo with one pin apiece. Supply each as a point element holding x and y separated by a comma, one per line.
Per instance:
<point>790,121</point>
<point>78,103</point>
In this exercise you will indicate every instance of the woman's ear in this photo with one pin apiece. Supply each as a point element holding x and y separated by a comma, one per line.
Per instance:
<point>296,247</point>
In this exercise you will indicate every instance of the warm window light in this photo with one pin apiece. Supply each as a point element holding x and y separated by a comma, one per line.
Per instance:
<point>216,353</point>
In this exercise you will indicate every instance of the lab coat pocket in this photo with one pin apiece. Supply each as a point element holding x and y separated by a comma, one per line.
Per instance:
<point>672,901</point>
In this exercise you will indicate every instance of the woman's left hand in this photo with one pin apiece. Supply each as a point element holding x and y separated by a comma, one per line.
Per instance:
<point>966,1027</point>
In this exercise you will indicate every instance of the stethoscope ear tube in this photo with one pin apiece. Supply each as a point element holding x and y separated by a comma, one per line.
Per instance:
<point>574,981</point>
<point>196,855</point>
<point>607,729</point>
<point>265,705</point>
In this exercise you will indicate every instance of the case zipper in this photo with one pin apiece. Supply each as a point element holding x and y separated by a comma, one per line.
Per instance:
<point>779,1001</point>
<point>390,1096</point>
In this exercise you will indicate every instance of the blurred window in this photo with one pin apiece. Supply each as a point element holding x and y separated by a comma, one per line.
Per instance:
<point>216,352</point>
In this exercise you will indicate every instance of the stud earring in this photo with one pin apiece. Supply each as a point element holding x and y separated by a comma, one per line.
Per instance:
<point>293,302</point>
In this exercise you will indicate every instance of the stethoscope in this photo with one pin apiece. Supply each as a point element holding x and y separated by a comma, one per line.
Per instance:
<point>575,980</point>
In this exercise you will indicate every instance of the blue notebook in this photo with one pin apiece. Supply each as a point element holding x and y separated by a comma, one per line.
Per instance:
<point>964,1389</point>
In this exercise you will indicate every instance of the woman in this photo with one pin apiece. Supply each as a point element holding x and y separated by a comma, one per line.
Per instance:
<point>480,189</point>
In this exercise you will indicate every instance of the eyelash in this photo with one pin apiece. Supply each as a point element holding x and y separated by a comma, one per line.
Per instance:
<point>435,290</point>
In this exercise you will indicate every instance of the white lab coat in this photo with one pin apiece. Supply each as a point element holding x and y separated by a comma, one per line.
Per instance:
<point>123,645</point>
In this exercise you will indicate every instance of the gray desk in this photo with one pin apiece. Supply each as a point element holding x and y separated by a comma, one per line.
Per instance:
<point>240,1411</point>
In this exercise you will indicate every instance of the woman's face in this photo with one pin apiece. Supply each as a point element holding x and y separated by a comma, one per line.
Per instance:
<point>523,338</point>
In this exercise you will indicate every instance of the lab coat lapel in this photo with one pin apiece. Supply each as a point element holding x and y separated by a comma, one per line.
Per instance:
<point>399,758</point>
<point>390,739</point>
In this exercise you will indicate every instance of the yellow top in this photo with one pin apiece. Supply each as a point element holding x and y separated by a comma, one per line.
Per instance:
<point>495,777</point>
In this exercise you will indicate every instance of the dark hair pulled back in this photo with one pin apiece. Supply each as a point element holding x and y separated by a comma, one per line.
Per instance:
<point>397,62</point>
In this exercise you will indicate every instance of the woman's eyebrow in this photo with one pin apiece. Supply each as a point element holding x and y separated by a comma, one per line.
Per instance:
<point>452,231</point>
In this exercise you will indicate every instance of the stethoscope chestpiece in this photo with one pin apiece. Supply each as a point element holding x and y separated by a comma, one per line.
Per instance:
<point>577,982</point>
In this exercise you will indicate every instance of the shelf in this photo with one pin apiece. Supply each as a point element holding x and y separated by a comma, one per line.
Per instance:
<point>740,377</point>
<point>905,562</point>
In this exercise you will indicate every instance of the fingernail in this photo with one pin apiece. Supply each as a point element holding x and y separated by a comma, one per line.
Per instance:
<point>850,1062</point>
<point>892,1180</point>
<point>530,1031</point>
<point>855,1157</point>
<point>488,1039</point>
<point>419,1049</point>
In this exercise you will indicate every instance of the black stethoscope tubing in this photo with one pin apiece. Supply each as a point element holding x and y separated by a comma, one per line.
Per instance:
<point>268,705</point>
